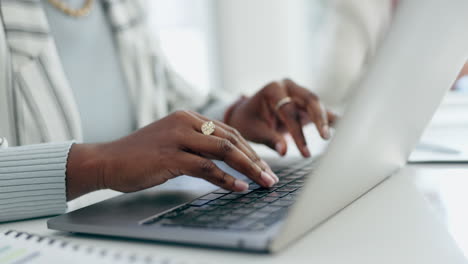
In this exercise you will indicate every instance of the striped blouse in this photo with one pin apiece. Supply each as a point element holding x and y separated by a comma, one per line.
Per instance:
<point>38,113</point>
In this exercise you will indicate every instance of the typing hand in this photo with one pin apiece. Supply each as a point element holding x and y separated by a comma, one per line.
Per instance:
<point>278,108</point>
<point>170,147</point>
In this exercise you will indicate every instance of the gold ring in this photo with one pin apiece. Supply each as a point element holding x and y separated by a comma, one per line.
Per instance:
<point>282,102</point>
<point>208,128</point>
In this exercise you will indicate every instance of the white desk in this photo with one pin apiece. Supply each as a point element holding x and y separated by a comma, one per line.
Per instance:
<point>417,216</point>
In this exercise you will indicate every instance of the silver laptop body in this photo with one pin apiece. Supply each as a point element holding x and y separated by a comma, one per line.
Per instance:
<point>418,61</point>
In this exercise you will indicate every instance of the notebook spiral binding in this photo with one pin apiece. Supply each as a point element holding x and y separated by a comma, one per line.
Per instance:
<point>97,252</point>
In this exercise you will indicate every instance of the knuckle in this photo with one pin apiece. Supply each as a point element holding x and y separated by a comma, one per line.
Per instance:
<point>207,166</point>
<point>223,179</point>
<point>255,158</point>
<point>232,138</point>
<point>312,97</point>
<point>236,132</point>
<point>181,114</point>
<point>225,146</point>
<point>271,87</point>
<point>254,168</point>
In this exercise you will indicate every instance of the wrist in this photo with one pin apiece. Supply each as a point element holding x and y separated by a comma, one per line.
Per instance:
<point>85,170</point>
<point>232,108</point>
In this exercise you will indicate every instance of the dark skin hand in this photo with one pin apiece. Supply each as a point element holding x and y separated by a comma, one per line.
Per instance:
<point>161,151</point>
<point>258,121</point>
<point>175,145</point>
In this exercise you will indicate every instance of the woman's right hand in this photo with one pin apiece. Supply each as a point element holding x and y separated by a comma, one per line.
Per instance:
<point>161,151</point>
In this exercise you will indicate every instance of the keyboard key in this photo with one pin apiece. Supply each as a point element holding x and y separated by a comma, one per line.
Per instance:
<point>255,195</point>
<point>258,205</point>
<point>295,185</point>
<point>231,196</point>
<point>286,189</point>
<point>277,194</point>
<point>199,202</point>
<point>243,211</point>
<point>258,215</point>
<point>289,197</point>
<point>207,207</point>
<point>222,191</point>
<point>263,190</point>
<point>232,206</point>
<point>254,186</point>
<point>211,196</point>
<point>268,199</point>
<point>244,192</point>
<point>220,211</point>
<point>219,202</point>
<point>270,209</point>
<point>244,200</point>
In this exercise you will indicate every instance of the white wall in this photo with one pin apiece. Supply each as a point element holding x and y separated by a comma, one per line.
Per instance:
<point>239,45</point>
<point>263,40</point>
<point>188,35</point>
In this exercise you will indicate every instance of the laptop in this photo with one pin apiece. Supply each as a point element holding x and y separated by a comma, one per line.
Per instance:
<point>417,62</point>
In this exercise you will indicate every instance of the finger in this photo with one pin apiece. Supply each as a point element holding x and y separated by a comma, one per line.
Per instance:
<point>317,110</point>
<point>311,103</point>
<point>275,140</point>
<point>203,168</point>
<point>290,116</point>
<point>287,114</point>
<point>224,131</point>
<point>222,149</point>
<point>234,136</point>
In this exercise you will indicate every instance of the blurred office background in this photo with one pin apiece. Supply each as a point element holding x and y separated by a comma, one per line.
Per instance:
<point>240,45</point>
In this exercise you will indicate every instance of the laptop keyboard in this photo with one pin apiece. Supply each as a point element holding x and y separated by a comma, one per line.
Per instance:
<point>254,209</point>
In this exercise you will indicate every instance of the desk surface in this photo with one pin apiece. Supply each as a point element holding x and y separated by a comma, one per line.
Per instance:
<point>417,216</point>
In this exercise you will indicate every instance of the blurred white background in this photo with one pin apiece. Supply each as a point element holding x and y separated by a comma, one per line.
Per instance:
<point>241,45</point>
<point>238,45</point>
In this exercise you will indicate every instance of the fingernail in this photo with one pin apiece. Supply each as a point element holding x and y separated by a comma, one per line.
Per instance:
<point>267,179</point>
<point>270,171</point>
<point>279,148</point>
<point>240,185</point>
<point>306,152</point>
<point>273,175</point>
<point>326,131</point>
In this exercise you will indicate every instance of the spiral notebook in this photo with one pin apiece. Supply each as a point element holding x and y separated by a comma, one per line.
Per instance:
<point>23,248</point>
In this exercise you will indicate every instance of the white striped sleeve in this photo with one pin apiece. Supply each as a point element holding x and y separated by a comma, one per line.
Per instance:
<point>32,181</point>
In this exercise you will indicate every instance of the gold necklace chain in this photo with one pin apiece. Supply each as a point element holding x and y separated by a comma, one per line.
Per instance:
<point>80,12</point>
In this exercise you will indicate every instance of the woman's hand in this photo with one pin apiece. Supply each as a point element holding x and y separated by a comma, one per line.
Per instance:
<point>261,119</point>
<point>166,149</point>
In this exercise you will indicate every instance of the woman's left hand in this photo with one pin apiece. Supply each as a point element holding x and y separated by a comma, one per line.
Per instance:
<point>267,116</point>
